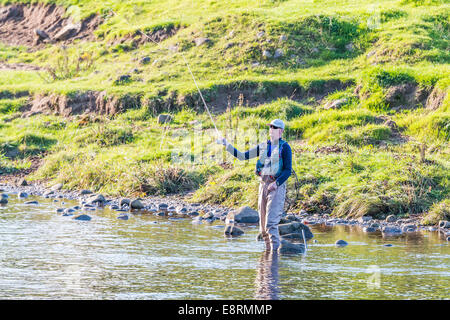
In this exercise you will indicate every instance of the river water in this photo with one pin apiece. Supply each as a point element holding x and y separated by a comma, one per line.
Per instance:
<point>45,255</point>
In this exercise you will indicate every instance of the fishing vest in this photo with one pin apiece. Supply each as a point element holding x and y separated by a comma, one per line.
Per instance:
<point>273,165</point>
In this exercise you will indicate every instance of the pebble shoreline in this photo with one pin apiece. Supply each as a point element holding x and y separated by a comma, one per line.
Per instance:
<point>174,207</point>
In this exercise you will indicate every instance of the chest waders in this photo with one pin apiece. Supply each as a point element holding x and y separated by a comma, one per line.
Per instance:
<point>273,165</point>
<point>270,204</point>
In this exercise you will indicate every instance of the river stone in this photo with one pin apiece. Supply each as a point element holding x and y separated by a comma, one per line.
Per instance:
<point>292,217</point>
<point>100,199</point>
<point>295,227</point>
<point>59,210</point>
<point>387,245</point>
<point>65,214</point>
<point>444,224</point>
<point>85,191</point>
<point>31,202</point>
<point>244,215</point>
<point>22,195</point>
<point>193,213</point>
<point>69,210</point>
<point>391,230</point>
<point>124,201</point>
<point>375,225</point>
<point>164,118</point>
<point>369,229</point>
<point>23,182</point>
<point>287,247</point>
<point>208,215</point>
<point>123,217</point>
<point>365,219</point>
<point>47,194</point>
<point>3,200</point>
<point>233,230</point>
<point>136,204</point>
<point>181,210</point>
<point>56,187</point>
<point>409,228</point>
<point>162,207</point>
<point>341,243</point>
<point>391,218</point>
<point>82,217</point>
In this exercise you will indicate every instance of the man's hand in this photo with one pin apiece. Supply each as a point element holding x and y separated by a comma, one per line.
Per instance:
<point>272,187</point>
<point>222,141</point>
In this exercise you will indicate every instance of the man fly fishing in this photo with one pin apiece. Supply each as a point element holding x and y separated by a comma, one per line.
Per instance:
<point>274,167</point>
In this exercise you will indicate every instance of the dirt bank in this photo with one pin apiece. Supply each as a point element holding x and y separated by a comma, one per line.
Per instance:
<point>218,98</point>
<point>34,25</point>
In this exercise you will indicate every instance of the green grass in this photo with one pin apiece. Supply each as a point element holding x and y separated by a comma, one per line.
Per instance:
<point>349,161</point>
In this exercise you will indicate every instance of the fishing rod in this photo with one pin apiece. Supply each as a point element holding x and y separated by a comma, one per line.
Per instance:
<point>200,93</point>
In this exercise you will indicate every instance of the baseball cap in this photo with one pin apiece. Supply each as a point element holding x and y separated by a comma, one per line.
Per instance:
<point>277,123</point>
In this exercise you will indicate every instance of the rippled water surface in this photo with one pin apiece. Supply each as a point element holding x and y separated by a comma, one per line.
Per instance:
<point>48,256</point>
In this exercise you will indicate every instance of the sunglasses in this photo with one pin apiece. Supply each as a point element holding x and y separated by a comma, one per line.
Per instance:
<point>273,127</point>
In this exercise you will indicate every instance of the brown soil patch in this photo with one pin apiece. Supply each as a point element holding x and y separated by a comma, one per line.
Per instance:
<point>406,96</point>
<point>18,23</point>
<point>217,99</point>
<point>81,103</point>
<point>435,98</point>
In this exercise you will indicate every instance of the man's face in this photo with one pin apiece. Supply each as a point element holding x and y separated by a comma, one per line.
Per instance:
<point>275,133</point>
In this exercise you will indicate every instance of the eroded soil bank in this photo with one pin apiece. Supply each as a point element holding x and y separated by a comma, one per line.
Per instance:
<point>34,25</point>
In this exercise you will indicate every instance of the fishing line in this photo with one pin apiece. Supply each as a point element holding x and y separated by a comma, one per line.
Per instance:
<point>190,71</point>
<point>304,241</point>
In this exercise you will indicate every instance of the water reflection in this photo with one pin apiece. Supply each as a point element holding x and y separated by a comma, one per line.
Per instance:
<point>266,282</point>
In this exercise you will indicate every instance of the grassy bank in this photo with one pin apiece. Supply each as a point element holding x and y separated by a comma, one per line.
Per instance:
<point>377,145</point>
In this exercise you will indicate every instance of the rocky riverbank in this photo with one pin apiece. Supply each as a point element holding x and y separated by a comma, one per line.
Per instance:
<point>294,227</point>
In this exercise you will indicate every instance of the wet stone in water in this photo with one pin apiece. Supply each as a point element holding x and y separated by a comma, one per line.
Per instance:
<point>83,217</point>
<point>341,243</point>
